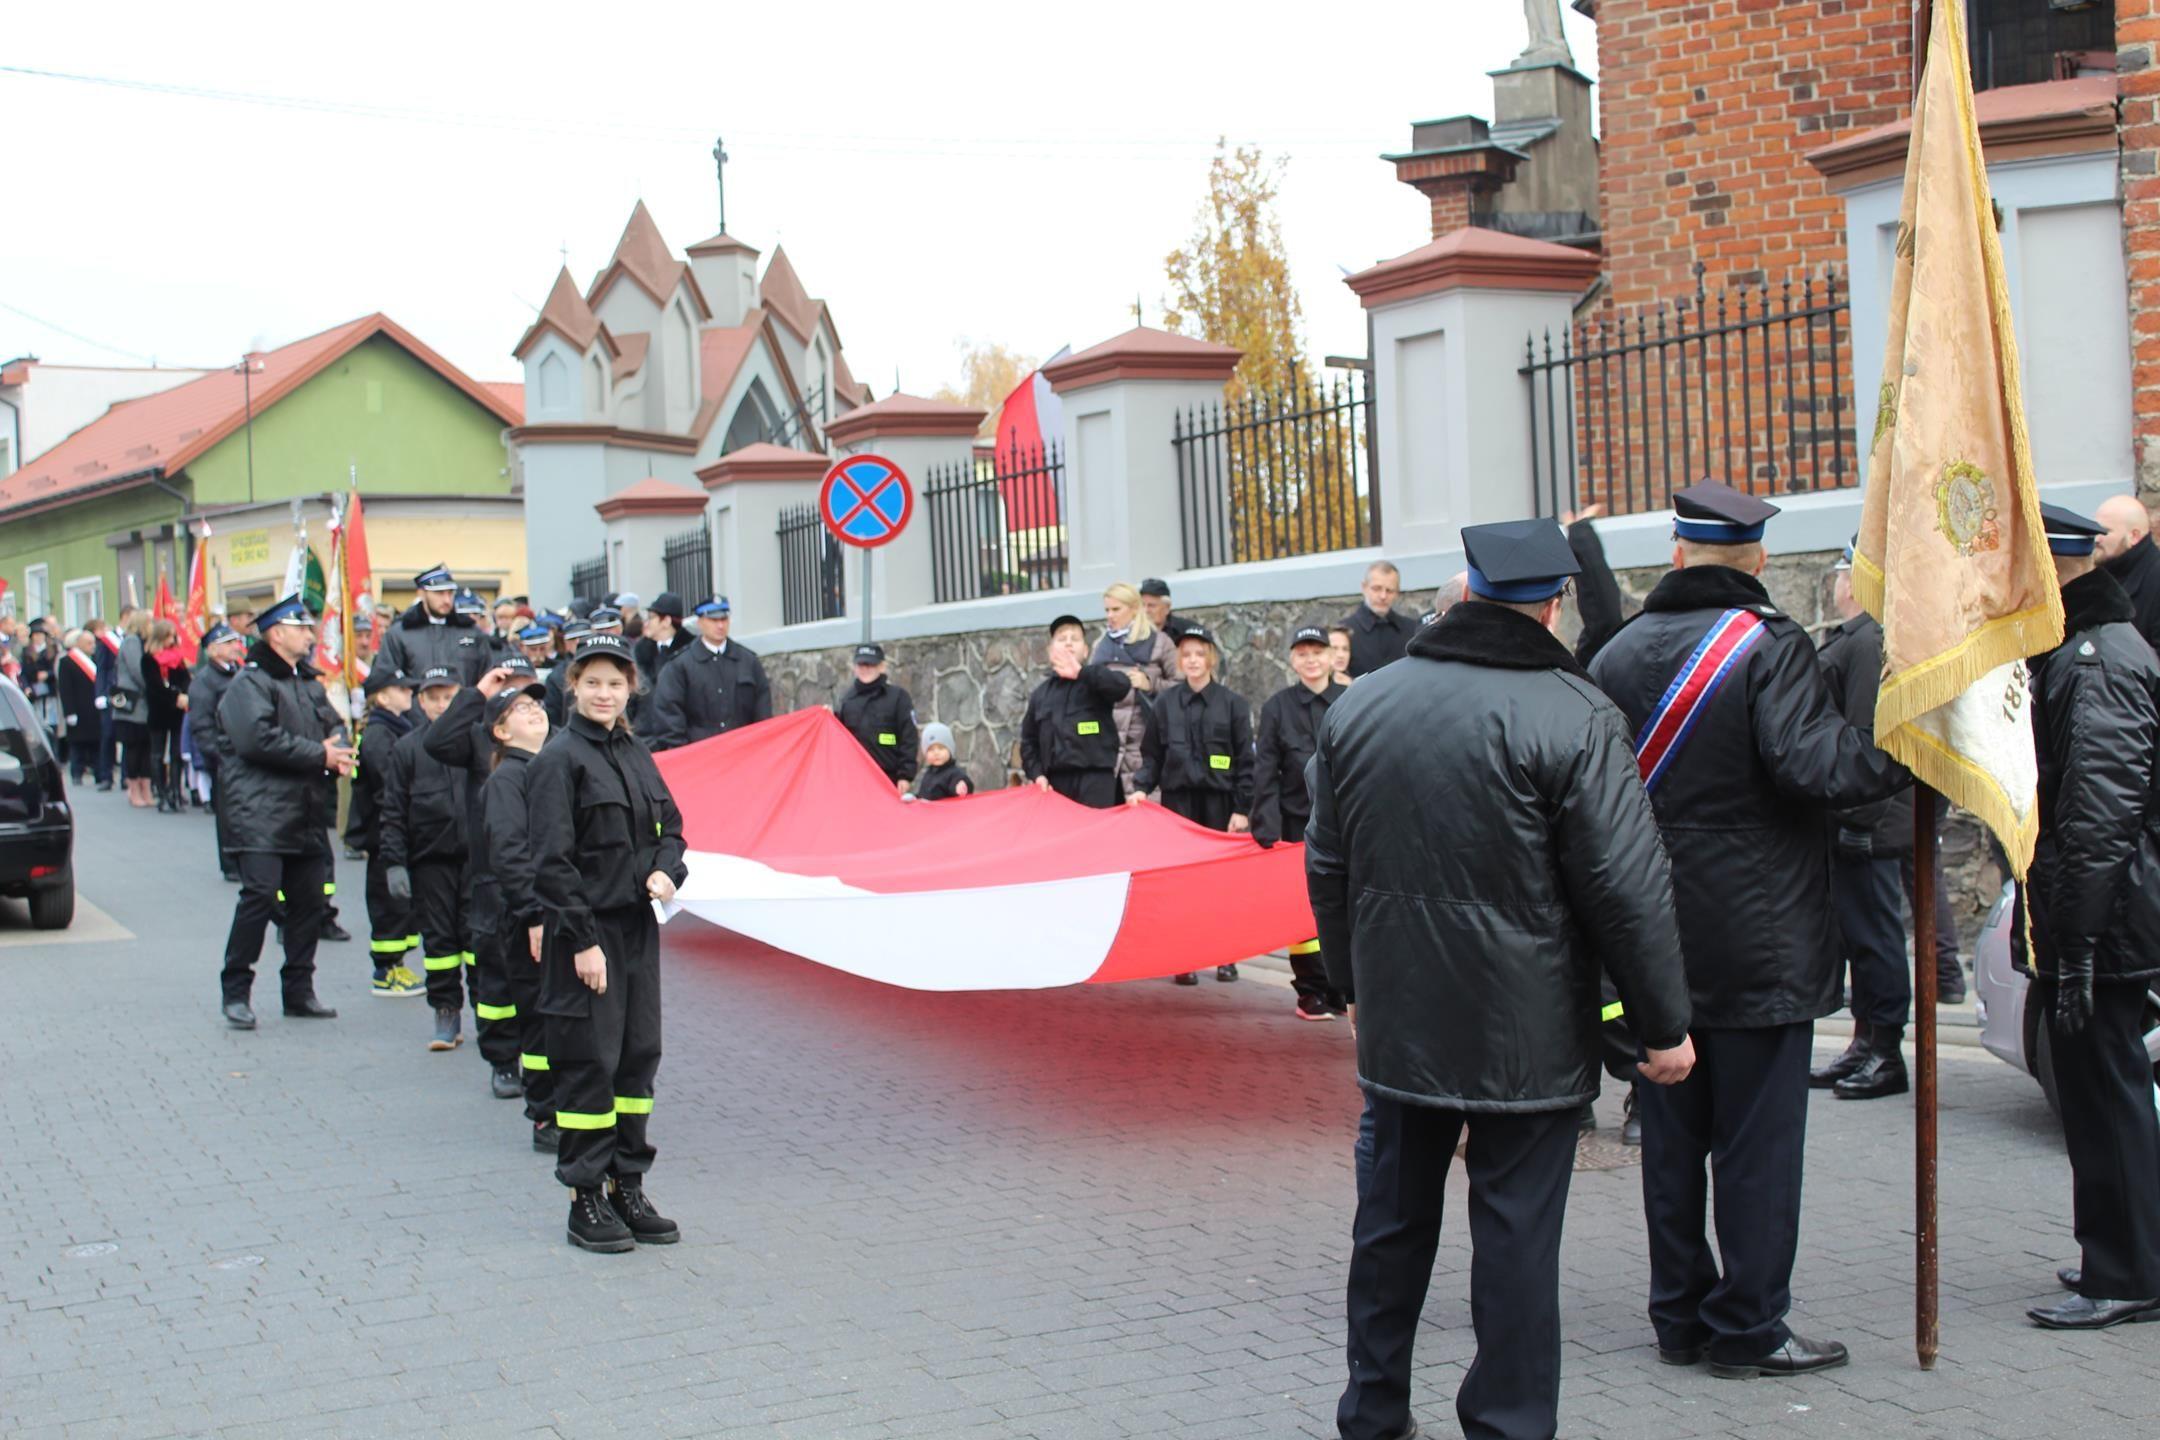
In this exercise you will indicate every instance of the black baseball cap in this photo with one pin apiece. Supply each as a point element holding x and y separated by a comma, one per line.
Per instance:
<point>1160,589</point>
<point>601,647</point>
<point>869,654</point>
<point>1062,621</point>
<point>382,677</point>
<point>499,705</point>
<point>439,677</point>
<point>1308,635</point>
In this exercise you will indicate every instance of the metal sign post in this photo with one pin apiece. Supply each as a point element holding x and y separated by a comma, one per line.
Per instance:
<point>866,501</point>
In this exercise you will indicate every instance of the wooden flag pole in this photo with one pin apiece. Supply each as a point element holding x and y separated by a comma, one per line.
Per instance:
<point>1927,1273</point>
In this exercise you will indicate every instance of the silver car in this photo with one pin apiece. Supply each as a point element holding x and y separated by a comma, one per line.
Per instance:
<point>2010,1028</point>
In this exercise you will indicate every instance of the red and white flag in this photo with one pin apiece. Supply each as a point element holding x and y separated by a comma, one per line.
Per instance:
<point>797,839</point>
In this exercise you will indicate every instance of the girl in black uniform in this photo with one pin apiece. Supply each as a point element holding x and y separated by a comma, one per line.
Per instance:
<point>517,723</point>
<point>1198,752</point>
<point>607,841</point>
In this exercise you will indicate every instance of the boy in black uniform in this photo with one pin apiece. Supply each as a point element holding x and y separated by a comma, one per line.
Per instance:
<point>517,726</point>
<point>459,739</point>
<point>941,778</point>
<point>881,716</point>
<point>391,936</point>
<point>607,842</point>
<point>1068,738</point>
<point>1289,732</point>
<point>1197,752</point>
<point>424,847</point>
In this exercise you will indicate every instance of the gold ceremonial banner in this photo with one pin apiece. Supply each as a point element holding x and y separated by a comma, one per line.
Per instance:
<point>1951,556</point>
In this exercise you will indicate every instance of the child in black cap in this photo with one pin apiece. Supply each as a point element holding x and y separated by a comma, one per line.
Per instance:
<point>1068,738</point>
<point>391,934</point>
<point>881,716</point>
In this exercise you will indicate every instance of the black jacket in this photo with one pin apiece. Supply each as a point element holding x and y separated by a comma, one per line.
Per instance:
<point>78,695</point>
<point>2095,881</point>
<point>881,715</point>
<point>507,834</point>
<point>700,695</point>
<point>417,641</point>
<point>1199,740</point>
<point>459,739</point>
<point>602,820</point>
<point>652,657</point>
<point>423,803</point>
<point>271,781</point>
<point>1069,724</point>
<point>942,782</point>
<point>1851,660</point>
<point>363,817</point>
<point>204,694</point>
<point>1376,640</point>
<point>2137,570</point>
<point>1597,593</point>
<point>1480,846</point>
<point>1744,805</point>
<point>1289,733</point>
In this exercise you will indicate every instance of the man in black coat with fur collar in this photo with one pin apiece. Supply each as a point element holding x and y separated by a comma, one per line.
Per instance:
<point>1745,756</point>
<point>1479,847</point>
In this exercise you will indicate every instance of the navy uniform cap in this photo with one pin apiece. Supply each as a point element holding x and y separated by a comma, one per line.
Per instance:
<point>436,677</point>
<point>534,634</point>
<point>219,633</point>
<point>468,603</point>
<point>869,654</point>
<point>1308,635</point>
<point>575,630</point>
<point>499,704</point>
<point>382,677</point>
<point>1711,512</point>
<point>1518,562</point>
<point>711,606</point>
<point>549,620</point>
<point>291,610</point>
<point>2068,533</point>
<point>1844,561</point>
<point>603,617</point>
<point>437,578</point>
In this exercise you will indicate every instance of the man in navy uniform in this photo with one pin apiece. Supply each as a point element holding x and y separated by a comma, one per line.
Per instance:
<point>1479,848</point>
<point>1745,754</point>
<point>2094,894</point>
<point>433,633</point>
<point>711,687</point>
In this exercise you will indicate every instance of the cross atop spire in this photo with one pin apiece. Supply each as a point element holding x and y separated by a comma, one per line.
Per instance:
<point>720,159</point>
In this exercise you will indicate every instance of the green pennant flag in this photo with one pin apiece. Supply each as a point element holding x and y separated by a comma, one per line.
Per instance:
<point>313,587</point>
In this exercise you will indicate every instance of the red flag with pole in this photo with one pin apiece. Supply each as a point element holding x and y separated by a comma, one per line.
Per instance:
<point>195,621</point>
<point>359,579</point>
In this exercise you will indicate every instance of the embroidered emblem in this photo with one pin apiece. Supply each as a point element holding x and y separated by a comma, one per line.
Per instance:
<point>1965,509</point>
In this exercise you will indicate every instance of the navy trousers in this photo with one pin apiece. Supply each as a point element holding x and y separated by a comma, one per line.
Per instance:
<point>1871,919</point>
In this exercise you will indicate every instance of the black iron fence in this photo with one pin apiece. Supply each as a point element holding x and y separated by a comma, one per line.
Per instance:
<point>997,526</point>
<point>810,561</point>
<point>687,558</point>
<point>1751,386</point>
<point>588,579</point>
<point>1266,476</point>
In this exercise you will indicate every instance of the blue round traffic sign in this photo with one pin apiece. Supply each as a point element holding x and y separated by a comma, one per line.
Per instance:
<point>866,501</point>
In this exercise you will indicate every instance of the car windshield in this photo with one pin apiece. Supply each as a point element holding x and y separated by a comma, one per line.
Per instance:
<point>20,795</point>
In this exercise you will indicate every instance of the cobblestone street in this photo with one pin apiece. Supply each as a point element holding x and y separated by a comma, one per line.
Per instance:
<point>1099,1212</point>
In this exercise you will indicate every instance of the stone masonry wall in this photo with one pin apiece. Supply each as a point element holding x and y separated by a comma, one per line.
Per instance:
<point>979,683</point>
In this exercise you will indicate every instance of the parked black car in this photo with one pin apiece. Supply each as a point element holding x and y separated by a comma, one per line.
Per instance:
<point>37,825</point>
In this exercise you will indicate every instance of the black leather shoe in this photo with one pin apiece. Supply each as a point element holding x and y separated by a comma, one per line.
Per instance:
<point>1630,1120</point>
<point>647,1225</point>
<point>331,930</point>
<point>1882,1074</point>
<point>594,1225</point>
<point>1226,973</point>
<point>503,1085</point>
<point>1681,1355</point>
<point>1797,1356</point>
<point>1188,978</point>
<point>546,1138</point>
<point>1856,1055</point>
<point>2070,1275</point>
<point>238,1015</point>
<point>307,1007</point>
<point>2079,1313</point>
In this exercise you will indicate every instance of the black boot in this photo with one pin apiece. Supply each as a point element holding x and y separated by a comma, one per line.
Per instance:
<point>238,1015</point>
<point>594,1225</point>
<point>331,930</point>
<point>647,1224</point>
<point>307,1007</point>
<point>547,1139</point>
<point>448,1032</point>
<point>1226,973</point>
<point>503,1084</point>
<point>1882,1073</point>
<point>1630,1122</point>
<point>1856,1055</point>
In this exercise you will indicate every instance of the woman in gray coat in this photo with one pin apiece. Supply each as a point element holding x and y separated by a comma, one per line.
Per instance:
<point>1132,644</point>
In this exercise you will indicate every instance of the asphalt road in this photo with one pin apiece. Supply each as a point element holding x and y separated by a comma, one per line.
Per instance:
<point>1099,1212</point>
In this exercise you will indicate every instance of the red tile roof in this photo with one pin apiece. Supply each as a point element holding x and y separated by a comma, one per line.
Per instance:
<point>1144,353</point>
<point>721,244</point>
<point>632,345</point>
<point>643,255</point>
<point>722,352</point>
<point>764,461</point>
<point>652,496</point>
<point>2078,112</point>
<point>566,313</point>
<point>160,434</point>
<point>1475,257</point>
<point>511,394</point>
<point>899,414</point>
<point>783,294</point>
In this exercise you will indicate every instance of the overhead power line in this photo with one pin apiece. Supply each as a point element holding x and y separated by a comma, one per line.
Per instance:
<point>83,339</point>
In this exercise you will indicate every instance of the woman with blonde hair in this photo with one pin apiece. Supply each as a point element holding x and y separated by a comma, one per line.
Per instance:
<point>1148,657</point>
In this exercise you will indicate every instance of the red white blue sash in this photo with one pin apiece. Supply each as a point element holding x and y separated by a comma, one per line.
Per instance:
<point>1734,634</point>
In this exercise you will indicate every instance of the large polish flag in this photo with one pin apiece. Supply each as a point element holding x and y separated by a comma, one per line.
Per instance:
<point>797,839</point>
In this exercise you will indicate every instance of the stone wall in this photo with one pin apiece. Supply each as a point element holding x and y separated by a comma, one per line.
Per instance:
<point>979,683</point>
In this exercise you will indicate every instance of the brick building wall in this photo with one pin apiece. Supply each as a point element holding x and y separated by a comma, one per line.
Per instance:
<point>1706,111</point>
<point>2137,34</point>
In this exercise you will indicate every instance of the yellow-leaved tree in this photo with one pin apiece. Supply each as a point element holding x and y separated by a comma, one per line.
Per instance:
<point>988,373</point>
<point>1286,475</point>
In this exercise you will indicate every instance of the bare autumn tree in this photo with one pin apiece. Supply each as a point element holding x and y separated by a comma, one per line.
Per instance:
<point>1287,463</point>
<point>988,373</point>
<point>1231,281</point>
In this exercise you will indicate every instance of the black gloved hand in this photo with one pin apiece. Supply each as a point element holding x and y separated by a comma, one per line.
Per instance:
<point>399,882</point>
<point>1855,844</point>
<point>2073,997</point>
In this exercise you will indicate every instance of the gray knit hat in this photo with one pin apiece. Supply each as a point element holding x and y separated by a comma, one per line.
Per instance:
<point>937,733</point>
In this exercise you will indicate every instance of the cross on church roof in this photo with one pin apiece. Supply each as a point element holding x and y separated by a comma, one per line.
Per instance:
<point>720,159</point>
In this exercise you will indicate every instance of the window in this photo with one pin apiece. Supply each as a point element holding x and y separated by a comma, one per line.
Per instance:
<point>596,387</point>
<point>7,457</point>
<point>681,361</point>
<point>553,384</point>
<point>616,578</point>
<point>81,600</point>
<point>37,591</point>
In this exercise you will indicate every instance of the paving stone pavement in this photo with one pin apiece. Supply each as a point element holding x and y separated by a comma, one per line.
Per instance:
<point>1100,1212</point>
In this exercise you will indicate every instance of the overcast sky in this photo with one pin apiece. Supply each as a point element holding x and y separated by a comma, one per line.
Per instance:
<point>939,173</point>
